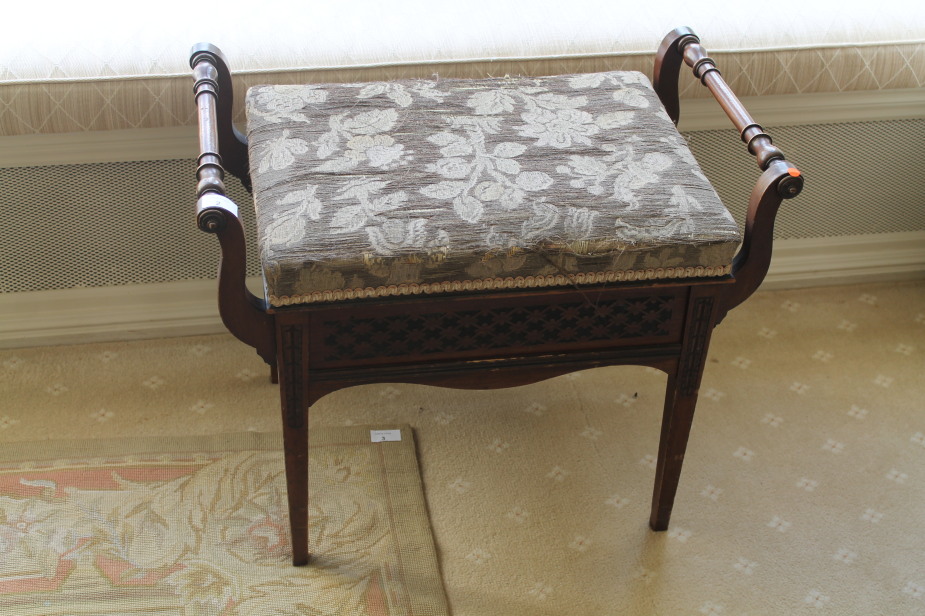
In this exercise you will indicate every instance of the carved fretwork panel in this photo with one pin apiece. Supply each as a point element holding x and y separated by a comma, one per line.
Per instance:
<point>474,329</point>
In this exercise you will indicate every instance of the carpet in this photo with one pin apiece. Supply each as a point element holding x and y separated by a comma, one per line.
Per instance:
<point>199,526</point>
<point>803,489</point>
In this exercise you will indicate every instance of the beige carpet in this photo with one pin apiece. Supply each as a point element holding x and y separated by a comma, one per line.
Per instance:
<point>803,490</point>
<point>198,525</point>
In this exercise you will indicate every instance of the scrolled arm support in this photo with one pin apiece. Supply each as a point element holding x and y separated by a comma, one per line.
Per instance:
<point>780,179</point>
<point>213,212</point>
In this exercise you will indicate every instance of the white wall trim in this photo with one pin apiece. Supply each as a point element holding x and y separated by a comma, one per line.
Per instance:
<point>848,259</point>
<point>189,307</point>
<point>696,114</point>
<point>102,146</point>
<point>100,314</point>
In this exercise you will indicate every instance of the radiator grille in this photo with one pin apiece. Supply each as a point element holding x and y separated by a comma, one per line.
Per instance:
<point>111,224</point>
<point>861,178</point>
<point>107,224</point>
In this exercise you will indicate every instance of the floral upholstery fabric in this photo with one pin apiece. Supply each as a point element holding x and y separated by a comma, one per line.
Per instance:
<point>430,186</point>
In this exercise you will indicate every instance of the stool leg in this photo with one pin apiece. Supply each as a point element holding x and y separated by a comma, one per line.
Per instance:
<point>296,450</point>
<point>293,386</point>
<point>680,400</point>
<point>676,426</point>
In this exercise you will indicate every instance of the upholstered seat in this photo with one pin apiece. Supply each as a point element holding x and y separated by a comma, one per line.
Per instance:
<point>432,186</point>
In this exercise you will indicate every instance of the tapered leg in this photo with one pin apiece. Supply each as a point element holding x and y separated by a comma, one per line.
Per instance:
<point>680,401</point>
<point>296,448</point>
<point>293,381</point>
<point>676,426</point>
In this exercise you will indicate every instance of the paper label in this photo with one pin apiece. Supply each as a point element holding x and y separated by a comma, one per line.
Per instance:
<point>383,436</point>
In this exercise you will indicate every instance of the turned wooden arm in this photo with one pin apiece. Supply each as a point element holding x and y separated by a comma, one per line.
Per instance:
<point>780,179</point>
<point>210,66</point>
<point>242,312</point>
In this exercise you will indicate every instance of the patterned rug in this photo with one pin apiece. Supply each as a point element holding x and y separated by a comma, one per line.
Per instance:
<point>200,526</point>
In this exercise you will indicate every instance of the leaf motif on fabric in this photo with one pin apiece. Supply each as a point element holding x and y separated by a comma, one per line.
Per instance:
<point>387,203</point>
<point>495,265</point>
<point>453,168</point>
<point>360,188</point>
<point>631,98</point>
<point>679,147</point>
<point>400,96</point>
<point>509,149</point>
<point>615,119</point>
<point>379,151</point>
<point>280,153</point>
<point>545,217</point>
<point>452,145</point>
<point>585,165</point>
<point>283,231</point>
<point>555,102</point>
<point>395,92</point>
<point>468,208</point>
<point>489,191</point>
<point>371,122</point>
<point>288,98</point>
<point>638,174</point>
<point>588,80</point>
<point>579,222</point>
<point>336,165</point>
<point>371,90</point>
<point>308,204</point>
<point>507,165</point>
<point>475,124</point>
<point>327,143</point>
<point>445,138</point>
<point>395,236</point>
<point>685,205</point>
<point>634,78</point>
<point>644,171</point>
<point>429,91</point>
<point>655,162</point>
<point>318,277</point>
<point>444,190</point>
<point>534,180</point>
<point>349,218</point>
<point>508,196</point>
<point>491,102</point>
<point>560,128</point>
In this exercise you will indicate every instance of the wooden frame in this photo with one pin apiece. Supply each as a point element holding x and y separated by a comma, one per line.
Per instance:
<point>320,348</point>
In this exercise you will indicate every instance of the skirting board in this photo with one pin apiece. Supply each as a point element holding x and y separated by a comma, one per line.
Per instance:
<point>186,308</point>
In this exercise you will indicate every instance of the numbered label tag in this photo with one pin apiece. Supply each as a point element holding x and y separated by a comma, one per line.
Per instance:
<point>384,436</point>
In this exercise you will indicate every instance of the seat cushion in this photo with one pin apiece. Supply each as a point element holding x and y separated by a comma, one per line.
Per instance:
<point>434,186</point>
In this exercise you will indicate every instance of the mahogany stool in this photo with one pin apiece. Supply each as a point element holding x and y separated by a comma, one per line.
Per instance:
<point>479,234</point>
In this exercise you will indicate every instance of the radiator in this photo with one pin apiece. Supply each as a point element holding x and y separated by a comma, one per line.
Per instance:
<point>127,223</point>
<point>861,177</point>
<point>94,250</point>
<point>105,224</point>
